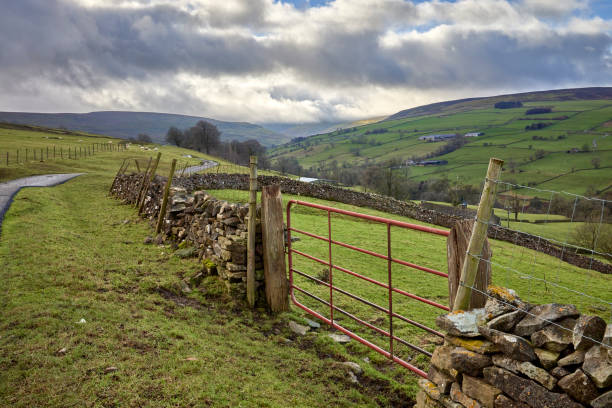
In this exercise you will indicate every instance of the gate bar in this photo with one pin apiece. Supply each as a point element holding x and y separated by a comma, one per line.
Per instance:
<point>374,305</point>
<point>403,292</point>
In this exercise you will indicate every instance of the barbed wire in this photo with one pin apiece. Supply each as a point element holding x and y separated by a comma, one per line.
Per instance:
<point>565,243</point>
<point>528,276</point>
<point>519,186</point>
<point>555,243</point>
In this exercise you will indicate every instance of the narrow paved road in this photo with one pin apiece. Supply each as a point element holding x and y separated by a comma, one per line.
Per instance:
<point>206,164</point>
<point>10,188</point>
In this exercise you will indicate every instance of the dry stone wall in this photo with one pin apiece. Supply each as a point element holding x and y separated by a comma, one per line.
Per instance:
<point>215,229</point>
<point>212,181</point>
<point>511,354</point>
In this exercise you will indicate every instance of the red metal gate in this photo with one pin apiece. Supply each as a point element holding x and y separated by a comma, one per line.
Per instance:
<point>388,285</point>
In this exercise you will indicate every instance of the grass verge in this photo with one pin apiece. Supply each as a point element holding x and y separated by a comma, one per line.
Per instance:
<point>68,253</point>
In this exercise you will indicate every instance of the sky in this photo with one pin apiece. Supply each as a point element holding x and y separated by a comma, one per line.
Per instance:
<point>297,61</point>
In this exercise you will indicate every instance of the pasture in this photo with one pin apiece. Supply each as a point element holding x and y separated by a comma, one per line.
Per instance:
<point>541,156</point>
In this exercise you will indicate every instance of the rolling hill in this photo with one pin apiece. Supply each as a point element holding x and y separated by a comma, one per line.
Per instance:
<point>567,149</point>
<point>308,129</point>
<point>129,124</point>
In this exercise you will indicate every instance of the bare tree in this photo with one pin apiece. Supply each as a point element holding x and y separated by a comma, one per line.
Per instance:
<point>175,136</point>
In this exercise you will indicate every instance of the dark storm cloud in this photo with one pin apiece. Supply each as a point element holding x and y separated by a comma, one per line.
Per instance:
<point>345,45</point>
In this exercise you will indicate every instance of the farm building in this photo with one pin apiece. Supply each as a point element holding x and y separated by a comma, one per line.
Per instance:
<point>438,137</point>
<point>473,134</point>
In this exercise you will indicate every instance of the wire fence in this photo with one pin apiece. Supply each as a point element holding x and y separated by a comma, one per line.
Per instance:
<point>555,221</point>
<point>229,194</point>
<point>14,157</point>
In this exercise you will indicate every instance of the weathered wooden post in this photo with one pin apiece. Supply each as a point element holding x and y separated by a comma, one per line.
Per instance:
<point>148,182</point>
<point>456,247</point>
<point>142,182</point>
<point>119,172</point>
<point>251,231</point>
<point>479,233</point>
<point>277,287</point>
<point>162,211</point>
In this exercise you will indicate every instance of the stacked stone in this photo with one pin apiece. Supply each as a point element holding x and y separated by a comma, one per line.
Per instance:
<point>511,354</point>
<point>219,230</point>
<point>386,204</point>
<point>215,228</point>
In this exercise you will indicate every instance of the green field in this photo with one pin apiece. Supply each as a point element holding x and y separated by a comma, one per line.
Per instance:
<point>540,157</point>
<point>516,267</point>
<point>69,253</point>
<point>15,137</point>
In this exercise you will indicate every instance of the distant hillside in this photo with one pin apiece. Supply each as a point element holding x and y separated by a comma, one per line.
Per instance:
<point>559,139</point>
<point>130,124</point>
<point>461,105</point>
<point>308,129</point>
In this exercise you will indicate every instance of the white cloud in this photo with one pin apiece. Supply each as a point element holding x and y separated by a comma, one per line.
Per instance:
<point>264,61</point>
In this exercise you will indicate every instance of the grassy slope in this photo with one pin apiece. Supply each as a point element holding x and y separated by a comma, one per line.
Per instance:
<point>505,137</point>
<point>83,262</point>
<point>14,137</point>
<point>130,124</point>
<point>66,254</point>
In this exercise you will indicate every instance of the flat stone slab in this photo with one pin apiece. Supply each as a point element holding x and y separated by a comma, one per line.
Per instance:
<point>512,346</point>
<point>537,374</point>
<point>588,330</point>
<point>597,366</point>
<point>526,391</point>
<point>10,188</point>
<point>460,323</point>
<point>541,316</point>
<point>340,338</point>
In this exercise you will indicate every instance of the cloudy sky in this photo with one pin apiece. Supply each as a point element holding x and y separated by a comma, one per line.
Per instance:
<point>293,61</point>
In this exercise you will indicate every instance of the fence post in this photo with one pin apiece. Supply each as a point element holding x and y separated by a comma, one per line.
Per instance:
<point>149,180</point>
<point>277,288</point>
<point>251,231</point>
<point>479,233</point>
<point>456,247</point>
<point>142,182</point>
<point>162,211</point>
<point>119,172</point>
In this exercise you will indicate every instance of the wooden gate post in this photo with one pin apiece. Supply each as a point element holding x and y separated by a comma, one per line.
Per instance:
<point>162,211</point>
<point>277,288</point>
<point>456,246</point>
<point>251,231</point>
<point>479,233</point>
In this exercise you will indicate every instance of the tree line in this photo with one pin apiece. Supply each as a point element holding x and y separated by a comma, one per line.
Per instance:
<point>206,138</point>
